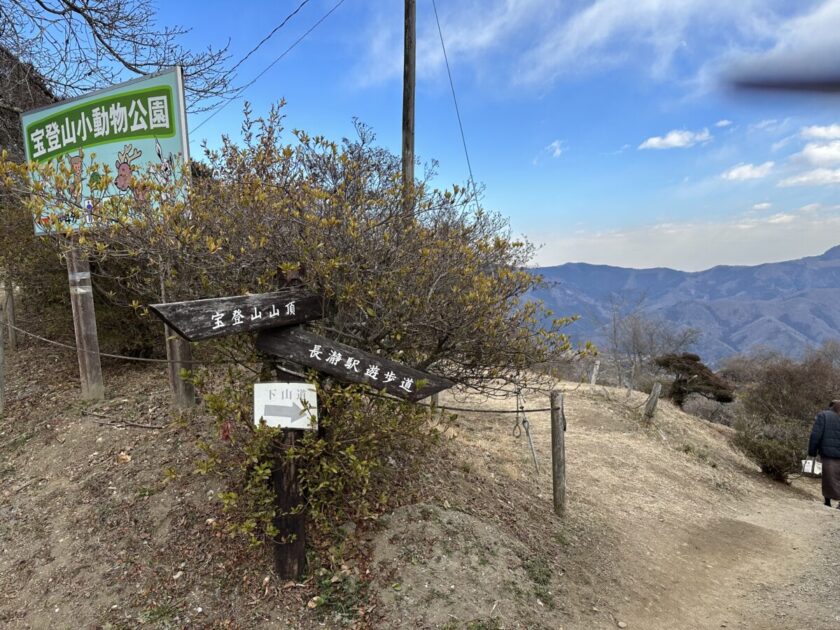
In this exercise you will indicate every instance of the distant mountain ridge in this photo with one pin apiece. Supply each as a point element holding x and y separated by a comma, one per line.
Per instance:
<point>789,306</point>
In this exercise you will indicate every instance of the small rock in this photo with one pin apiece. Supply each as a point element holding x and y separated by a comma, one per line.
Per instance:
<point>621,624</point>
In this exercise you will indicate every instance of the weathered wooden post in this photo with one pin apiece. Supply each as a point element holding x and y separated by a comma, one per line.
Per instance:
<point>558,452</point>
<point>289,545</point>
<point>290,517</point>
<point>179,355</point>
<point>409,55</point>
<point>650,404</point>
<point>594,378</point>
<point>2,363</point>
<point>84,323</point>
<point>433,404</point>
<point>8,306</point>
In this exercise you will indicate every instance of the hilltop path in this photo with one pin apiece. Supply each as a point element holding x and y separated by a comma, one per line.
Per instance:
<point>667,527</point>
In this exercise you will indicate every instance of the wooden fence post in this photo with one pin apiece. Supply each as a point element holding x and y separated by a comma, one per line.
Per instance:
<point>9,312</point>
<point>594,378</point>
<point>433,404</point>
<point>179,355</point>
<point>2,364</point>
<point>84,323</point>
<point>650,404</point>
<point>558,452</point>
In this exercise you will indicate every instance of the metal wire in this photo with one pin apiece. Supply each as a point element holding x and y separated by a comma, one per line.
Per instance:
<point>108,354</point>
<point>376,395</point>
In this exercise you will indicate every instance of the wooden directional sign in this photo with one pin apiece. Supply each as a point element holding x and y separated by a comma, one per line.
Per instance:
<point>218,317</point>
<point>349,364</point>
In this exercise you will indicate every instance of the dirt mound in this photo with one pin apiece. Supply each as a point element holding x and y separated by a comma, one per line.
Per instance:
<point>436,567</point>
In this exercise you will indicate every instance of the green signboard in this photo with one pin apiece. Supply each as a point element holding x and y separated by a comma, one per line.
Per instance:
<point>136,128</point>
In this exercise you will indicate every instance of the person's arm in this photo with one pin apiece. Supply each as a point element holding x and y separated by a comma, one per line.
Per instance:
<point>816,435</point>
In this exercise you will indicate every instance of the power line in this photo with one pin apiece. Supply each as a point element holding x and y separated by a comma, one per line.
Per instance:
<point>455,100</point>
<point>239,91</point>
<point>269,36</point>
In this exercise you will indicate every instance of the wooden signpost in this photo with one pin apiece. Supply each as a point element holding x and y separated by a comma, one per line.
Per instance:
<point>278,317</point>
<point>348,364</point>
<point>219,317</point>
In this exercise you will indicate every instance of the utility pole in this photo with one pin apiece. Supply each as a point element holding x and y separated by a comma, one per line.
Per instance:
<point>410,46</point>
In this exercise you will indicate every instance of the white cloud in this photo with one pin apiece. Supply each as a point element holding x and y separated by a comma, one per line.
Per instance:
<point>781,144</point>
<point>810,208</point>
<point>816,177</point>
<point>652,33</point>
<point>554,150</point>
<point>468,39</point>
<point>781,218</point>
<point>805,47</point>
<point>534,42</point>
<point>767,123</point>
<point>676,139</point>
<point>764,205</point>
<point>817,132</point>
<point>698,245</point>
<point>742,172</point>
<point>820,153</point>
<point>723,123</point>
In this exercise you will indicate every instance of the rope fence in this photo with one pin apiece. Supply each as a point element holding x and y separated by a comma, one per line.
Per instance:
<point>122,357</point>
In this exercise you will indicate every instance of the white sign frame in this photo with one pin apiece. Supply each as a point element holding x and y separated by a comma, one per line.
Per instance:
<point>286,405</point>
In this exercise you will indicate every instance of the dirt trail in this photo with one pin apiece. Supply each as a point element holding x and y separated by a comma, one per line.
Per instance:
<point>718,546</point>
<point>667,527</point>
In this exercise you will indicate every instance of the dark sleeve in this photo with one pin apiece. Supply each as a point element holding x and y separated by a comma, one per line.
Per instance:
<point>816,435</point>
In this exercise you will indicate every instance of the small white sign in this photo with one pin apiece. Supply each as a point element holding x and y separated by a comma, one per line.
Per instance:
<point>286,405</point>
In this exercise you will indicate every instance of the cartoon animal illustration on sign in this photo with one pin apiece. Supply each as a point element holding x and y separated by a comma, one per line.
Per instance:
<point>163,171</point>
<point>123,164</point>
<point>76,167</point>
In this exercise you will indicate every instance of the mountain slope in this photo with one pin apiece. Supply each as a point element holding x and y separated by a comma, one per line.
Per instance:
<point>788,306</point>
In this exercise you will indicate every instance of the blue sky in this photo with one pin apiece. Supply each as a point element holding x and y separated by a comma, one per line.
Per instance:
<point>600,128</point>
